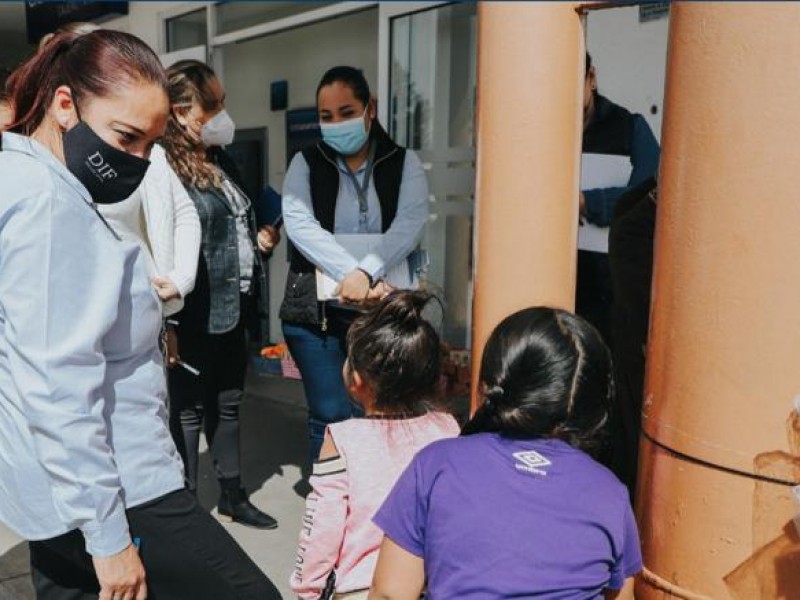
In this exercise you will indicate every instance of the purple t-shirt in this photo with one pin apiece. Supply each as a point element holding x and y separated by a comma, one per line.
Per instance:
<point>501,518</point>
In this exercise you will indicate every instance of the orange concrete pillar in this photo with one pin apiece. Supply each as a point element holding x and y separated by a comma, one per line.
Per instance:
<point>721,445</point>
<point>530,73</point>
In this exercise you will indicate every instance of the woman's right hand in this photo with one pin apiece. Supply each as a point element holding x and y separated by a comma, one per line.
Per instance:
<point>121,575</point>
<point>166,288</point>
<point>268,238</point>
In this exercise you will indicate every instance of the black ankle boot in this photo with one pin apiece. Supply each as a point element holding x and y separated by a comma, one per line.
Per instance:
<point>235,506</point>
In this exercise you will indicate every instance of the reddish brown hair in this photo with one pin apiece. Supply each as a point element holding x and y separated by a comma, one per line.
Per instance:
<point>94,64</point>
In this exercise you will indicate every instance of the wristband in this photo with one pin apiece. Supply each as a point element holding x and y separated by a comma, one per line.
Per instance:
<point>369,277</point>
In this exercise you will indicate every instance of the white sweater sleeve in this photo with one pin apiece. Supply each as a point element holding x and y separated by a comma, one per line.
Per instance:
<point>186,249</point>
<point>173,226</point>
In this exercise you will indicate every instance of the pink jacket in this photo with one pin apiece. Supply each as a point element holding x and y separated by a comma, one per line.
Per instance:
<point>337,531</point>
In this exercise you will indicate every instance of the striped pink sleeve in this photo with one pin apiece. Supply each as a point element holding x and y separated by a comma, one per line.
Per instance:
<point>323,528</point>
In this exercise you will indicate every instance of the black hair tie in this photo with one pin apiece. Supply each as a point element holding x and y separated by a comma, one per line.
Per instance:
<point>493,394</point>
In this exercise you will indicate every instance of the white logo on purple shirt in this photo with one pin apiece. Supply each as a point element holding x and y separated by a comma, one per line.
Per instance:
<point>531,461</point>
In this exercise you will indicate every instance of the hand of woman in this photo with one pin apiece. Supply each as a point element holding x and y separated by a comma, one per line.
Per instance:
<point>268,237</point>
<point>166,289</point>
<point>354,287</point>
<point>121,576</point>
<point>380,290</point>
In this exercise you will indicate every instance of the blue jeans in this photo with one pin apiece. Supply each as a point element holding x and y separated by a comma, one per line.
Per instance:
<point>320,357</point>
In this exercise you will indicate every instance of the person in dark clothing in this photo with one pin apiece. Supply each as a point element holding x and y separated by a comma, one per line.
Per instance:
<point>229,290</point>
<point>619,152</point>
<point>630,256</point>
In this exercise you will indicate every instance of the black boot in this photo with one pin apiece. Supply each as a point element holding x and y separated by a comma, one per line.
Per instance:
<point>235,506</point>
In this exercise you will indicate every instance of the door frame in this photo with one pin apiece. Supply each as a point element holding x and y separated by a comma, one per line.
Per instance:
<point>386,12</point>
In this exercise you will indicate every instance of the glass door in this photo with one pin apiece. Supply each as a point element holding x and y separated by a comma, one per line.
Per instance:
<point>427,82</point>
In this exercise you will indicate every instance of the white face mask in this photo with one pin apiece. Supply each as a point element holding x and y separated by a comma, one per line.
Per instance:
<point>219,130</point>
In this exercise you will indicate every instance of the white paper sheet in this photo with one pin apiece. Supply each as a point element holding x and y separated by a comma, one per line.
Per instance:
<point>359,246</point>
<point>601,171</point>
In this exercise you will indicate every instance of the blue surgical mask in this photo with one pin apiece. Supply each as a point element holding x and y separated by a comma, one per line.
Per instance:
<point>346,137</point>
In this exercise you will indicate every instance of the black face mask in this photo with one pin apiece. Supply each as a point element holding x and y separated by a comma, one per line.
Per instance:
<point>109,174</point>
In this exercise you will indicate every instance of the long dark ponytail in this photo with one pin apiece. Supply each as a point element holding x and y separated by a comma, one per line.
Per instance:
<point>94,64</point>
<point>545,373</point>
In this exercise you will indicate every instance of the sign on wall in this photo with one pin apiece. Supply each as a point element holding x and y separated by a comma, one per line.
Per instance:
<point>44,17</point>
<point>302,130</point>
<point>652,11</point>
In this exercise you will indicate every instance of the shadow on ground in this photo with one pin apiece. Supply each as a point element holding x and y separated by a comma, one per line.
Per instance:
<point>273,437</point>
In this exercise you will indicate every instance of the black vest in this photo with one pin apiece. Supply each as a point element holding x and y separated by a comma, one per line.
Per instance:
<point>609,130</point>
<point>300,303</point>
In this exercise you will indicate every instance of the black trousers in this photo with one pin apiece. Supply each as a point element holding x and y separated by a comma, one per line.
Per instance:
<point>594,294</point>
<point>593,300</point>
<point>209,401</point>
<point>186,554</point>
<point>631,261</point>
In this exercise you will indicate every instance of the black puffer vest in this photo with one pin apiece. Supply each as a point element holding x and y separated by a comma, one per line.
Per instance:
<point>300,304</point>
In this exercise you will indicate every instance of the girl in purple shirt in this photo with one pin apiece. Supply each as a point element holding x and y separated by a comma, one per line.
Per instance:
<point>516,507</point>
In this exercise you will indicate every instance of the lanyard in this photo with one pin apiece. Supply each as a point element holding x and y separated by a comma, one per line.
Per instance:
<point>362,188</point>
<point>237,199</point>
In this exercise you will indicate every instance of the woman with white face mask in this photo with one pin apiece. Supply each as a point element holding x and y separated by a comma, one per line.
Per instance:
<point>209,333</point>
<point>355,181</point>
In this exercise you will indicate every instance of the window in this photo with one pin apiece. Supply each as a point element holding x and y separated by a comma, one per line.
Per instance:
<point>232,16</point>
<point>187,31</point>
<point>432,111</point>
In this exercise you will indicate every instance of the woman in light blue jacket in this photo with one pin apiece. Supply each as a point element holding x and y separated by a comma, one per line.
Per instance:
<point>88,470</point>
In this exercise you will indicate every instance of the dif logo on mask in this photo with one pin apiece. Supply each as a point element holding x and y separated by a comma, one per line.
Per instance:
<point>98,165</point>
<point>110,175</point>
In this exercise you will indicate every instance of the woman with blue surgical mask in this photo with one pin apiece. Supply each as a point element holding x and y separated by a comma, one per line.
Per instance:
<point>355,181</point>
<point>207,340</point>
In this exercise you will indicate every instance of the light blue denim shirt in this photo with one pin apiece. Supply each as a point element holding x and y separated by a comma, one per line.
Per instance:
<point>83,423</point>
<point>319,245</point>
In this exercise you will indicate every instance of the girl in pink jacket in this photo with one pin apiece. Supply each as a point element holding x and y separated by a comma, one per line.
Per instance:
<point>392,370</point>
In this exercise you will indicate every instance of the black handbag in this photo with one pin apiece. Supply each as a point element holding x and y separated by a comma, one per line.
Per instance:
<point>330,587</point>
